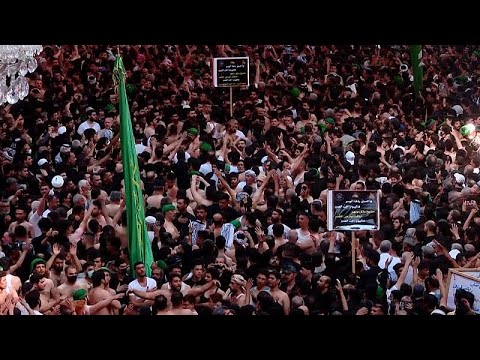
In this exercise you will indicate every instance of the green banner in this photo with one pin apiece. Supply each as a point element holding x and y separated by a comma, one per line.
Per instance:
<point>417,65</point>
<point>139,246</point>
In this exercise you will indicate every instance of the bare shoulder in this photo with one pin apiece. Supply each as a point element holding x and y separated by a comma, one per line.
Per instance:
<point>49,283</point>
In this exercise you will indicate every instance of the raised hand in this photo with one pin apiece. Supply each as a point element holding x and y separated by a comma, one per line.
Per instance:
<point>259,231</point>
<point>56,249</point>
<point>249,284</point>
<point>338,286</point>
<point>73,249</point>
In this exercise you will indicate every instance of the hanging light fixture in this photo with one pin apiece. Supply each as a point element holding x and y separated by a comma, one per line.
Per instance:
<point>16,61</point>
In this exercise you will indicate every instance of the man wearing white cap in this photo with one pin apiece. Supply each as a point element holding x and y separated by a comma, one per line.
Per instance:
<point>459,180</point>
<point>250,179</point>
<point>350,157</point>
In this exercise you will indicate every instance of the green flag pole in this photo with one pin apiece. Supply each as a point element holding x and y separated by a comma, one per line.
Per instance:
<point>417,65</point>
<point>139,246</point>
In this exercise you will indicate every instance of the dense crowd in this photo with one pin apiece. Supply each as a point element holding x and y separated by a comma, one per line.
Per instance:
<point>236,203</point>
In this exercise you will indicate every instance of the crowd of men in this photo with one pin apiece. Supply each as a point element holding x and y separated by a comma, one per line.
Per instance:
<point>236,194</point>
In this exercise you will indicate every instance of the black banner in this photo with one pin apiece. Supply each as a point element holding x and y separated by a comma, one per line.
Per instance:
<point>353,210</point>
<point>231,72</point>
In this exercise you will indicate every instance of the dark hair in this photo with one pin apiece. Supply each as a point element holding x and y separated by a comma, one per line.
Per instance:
<point>464,294</point>
<point>177,298</point>
<point>97,277</point>
<point>20,232</point>
<point>32,298</point>
<point>160,303</point>
<point>138,263</point>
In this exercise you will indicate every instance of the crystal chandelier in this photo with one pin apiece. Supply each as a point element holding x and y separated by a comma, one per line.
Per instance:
<point>15,62</point>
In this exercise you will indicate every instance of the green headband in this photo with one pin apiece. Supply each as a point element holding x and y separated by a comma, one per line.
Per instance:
<point>79,294</point>
<point>192,131</point>
<point>35,262</point>
<point>168,207</point>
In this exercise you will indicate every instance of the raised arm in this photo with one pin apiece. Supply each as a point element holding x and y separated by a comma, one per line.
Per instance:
<point>403,274</point>
<point>104,211</point>
<point>199,199</point>
<point>342,296</point>
<point>56,251</point>
<point>443,290</point>
<point>119,213</point>
<point>198,290</point>
<point>105,302</point>
<point>231,192</point>
<point>74,257</point>
<point>149,295</point>
<point>21,259</point>
<point>259,193</point>
<point>76,236</point>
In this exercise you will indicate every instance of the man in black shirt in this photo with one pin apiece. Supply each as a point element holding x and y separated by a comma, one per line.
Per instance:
<point>41,244</point>
<point>183,217</point>
<point>198,272</point>
<point>229,213</point>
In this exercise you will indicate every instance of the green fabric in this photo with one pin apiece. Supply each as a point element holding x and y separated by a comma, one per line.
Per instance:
<point>398,80</point>
<point>138,243</point>
<point>416,54</point>
<point>192,131</point>
<point>35,262</point>
<point>161,264</point>
<point>168,207</point>
<point>130,89</point>
<point>330,120</point>
<point>236,223</point>
<point>109,108</point>
<point>322,127</point>
<point>295,92</point>
<point>79,294</point>
<point>427,124</point>
<point>464,130</point>
<point>205,147</point>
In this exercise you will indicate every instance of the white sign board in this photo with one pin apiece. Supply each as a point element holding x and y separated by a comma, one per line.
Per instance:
<point>463,279</point>
<point>231,72</point>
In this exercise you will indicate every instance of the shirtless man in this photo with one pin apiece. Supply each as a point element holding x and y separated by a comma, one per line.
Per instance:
<point>108,276</point>
<point>161,305</point>
<point>305,240</point>
<point>171,185</point>
<point>75,236</point>
<point>114,206</point>
<point>13,282</point>
<point>79,304</point>
<point>175,286</point>
<point>20,217</point>
<point>56,272</point>
<point>278,295</point>
<point>3,287</point>
<point>48,293</point>
<point>98,294</point>
<point>86,282</point>
<point>169,213</point>
<point>97,213</point>
<point>154,200</point>
<point>177,305</point>
<point>71,284</point>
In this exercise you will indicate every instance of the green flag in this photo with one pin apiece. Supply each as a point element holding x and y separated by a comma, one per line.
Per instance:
<point>139,246</point>
<point>416,54</point>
